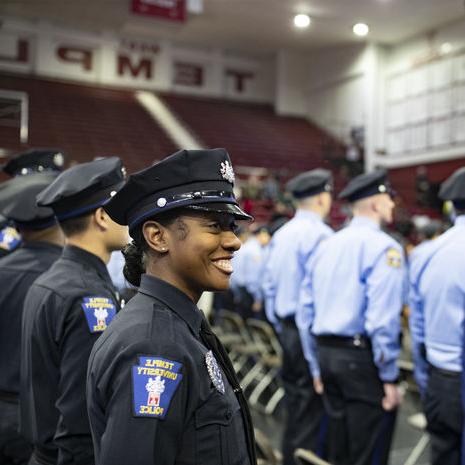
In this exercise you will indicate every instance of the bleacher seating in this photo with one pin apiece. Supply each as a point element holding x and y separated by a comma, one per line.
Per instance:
<point>252,133</point>
<point>87,121</point>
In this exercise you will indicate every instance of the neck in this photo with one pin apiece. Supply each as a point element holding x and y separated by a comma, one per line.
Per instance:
<point>160,269</point>
<point>52,235</point>
<point>92,246</point>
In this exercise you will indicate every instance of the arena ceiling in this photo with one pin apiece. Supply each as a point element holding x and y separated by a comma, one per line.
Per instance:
<point>259,26</point>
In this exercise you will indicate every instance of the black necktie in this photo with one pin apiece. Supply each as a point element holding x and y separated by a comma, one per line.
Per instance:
<point>214,344</point>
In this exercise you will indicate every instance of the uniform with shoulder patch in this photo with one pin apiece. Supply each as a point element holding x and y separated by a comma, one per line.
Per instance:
<point>154,381</point>
<point>99,312</point>
<point>9,239</point>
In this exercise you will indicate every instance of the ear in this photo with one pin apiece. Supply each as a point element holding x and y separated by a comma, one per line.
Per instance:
<point>101,219</point>
<point>157,236</point>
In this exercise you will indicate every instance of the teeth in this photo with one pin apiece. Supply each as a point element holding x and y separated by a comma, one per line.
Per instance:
<point>224,265</point>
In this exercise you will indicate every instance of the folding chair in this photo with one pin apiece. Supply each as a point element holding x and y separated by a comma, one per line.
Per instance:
<point>305,457</point>
<point>267,455</point>
<point>270,363</point>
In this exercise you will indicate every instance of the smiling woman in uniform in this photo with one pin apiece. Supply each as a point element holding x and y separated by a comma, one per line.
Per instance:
<point>161,388</point>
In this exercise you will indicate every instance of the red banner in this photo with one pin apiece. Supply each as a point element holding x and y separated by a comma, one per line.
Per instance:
<point>172,10</point>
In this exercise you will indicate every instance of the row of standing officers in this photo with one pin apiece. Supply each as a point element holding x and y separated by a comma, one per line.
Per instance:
<point>334,298</point>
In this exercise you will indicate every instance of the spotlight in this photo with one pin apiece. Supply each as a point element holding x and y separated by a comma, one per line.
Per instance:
<point>361,29</point>
<point>301,21</point>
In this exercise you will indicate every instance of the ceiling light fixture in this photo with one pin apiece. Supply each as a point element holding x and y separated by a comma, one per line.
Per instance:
<point>361,29</point>
<point>302,21</point>
<point>446,48</point>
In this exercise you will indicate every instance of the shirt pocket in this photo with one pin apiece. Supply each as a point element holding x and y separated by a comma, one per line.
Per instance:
<point>215,430</point>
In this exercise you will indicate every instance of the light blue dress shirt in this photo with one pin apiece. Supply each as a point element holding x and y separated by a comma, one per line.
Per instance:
<point>437,303</point>
<point>289,251</point>
<point>354,285</point>
<point>115,270</point>
<point>248,264</point>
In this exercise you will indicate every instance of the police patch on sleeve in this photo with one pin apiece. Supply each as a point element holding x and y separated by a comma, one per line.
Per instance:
<point>99,312</point>
<point>394,258</point>
<point>9,238</point>
<point>154,382</point>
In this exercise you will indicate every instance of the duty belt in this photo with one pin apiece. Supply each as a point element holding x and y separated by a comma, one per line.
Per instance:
<point>447,373</point>
<point>353,342</point>
<point>6,396</point>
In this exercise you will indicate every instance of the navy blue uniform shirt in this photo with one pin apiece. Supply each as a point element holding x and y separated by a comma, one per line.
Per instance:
<point>156,394</point>
<point>17,273</point>
<point>65,311</point>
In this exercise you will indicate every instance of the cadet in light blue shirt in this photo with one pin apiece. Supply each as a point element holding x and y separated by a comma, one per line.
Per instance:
<point>290,249</point>
<point>248,264</point>
<point>352,299</point>
<point>437,302</point>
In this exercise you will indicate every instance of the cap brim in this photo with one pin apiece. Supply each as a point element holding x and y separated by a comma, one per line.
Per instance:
<point>217,207</point>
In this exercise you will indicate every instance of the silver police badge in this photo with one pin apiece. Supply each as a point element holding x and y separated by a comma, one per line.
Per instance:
<point>214,371</point>
<point>227,171</point>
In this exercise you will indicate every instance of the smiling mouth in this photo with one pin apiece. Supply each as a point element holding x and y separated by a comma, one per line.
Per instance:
<point>224,265</point>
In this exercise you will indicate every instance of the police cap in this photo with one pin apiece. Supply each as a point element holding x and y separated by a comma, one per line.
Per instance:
<point>366,185</point>
<point>197,179</point>
<point>453,188</point>
<point>35,160</point>
<point>18,201</point>
<point>83,188</point>
<point>310,183</point>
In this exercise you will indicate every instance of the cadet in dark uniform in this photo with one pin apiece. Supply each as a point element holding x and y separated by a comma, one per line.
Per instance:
<point>42,245</point>
<point>23,164</point>
<point>290,249</point>
<point>66,310</point>
<point>160,386</point>
<point>437,297</point>
<point>351,300</point>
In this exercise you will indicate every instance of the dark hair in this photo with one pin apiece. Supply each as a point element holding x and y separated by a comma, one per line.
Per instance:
<point>135,253</point>
<point>76,225</point>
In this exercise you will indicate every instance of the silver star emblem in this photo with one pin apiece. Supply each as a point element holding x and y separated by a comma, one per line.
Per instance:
<point>227,171</point>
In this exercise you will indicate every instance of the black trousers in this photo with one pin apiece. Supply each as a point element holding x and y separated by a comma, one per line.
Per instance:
<point>360,431</point>
<point>306,422</point>
<point>14,449</point>
<point>444,413</point>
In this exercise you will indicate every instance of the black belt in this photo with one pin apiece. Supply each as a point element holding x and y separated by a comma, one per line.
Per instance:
<point>45,456</point>
<point>447,373</point>
<point>288,320</point>
<point>9,396</point>
<point>352,342</point>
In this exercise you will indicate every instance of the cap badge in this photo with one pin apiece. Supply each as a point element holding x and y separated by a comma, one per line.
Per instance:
<point>382,188</point>
<point>227,171</point>
<point>214,372</point>
<point>161,202</point>
<point>58,159</point>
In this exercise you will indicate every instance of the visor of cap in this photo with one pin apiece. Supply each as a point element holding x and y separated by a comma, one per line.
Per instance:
<point>218,207</point>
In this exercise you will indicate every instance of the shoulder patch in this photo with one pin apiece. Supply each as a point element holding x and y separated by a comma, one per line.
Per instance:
<point>154,382</point>
<point>394,258</point>
<point>99,312</point>
<point>9,238</point>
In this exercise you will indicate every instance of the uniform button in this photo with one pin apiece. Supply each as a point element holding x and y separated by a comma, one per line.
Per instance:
<point>228,414</point>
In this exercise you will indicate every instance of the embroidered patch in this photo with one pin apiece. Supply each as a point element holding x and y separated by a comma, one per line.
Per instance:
<point>99,312</point>
<point>9,238</point>
<point>154,382</point>
<point>394,258</point>
<point>214,371</point>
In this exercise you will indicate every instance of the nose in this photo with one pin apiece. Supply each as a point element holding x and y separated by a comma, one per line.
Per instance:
<point>230,241</point>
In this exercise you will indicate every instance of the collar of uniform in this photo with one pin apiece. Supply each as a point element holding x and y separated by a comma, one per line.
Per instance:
<point>73,253</point>
<point>175,299</point>
<point>364,221</point>
<point>300,213</point>
<point>41,245</point>
<point>460,221</point>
